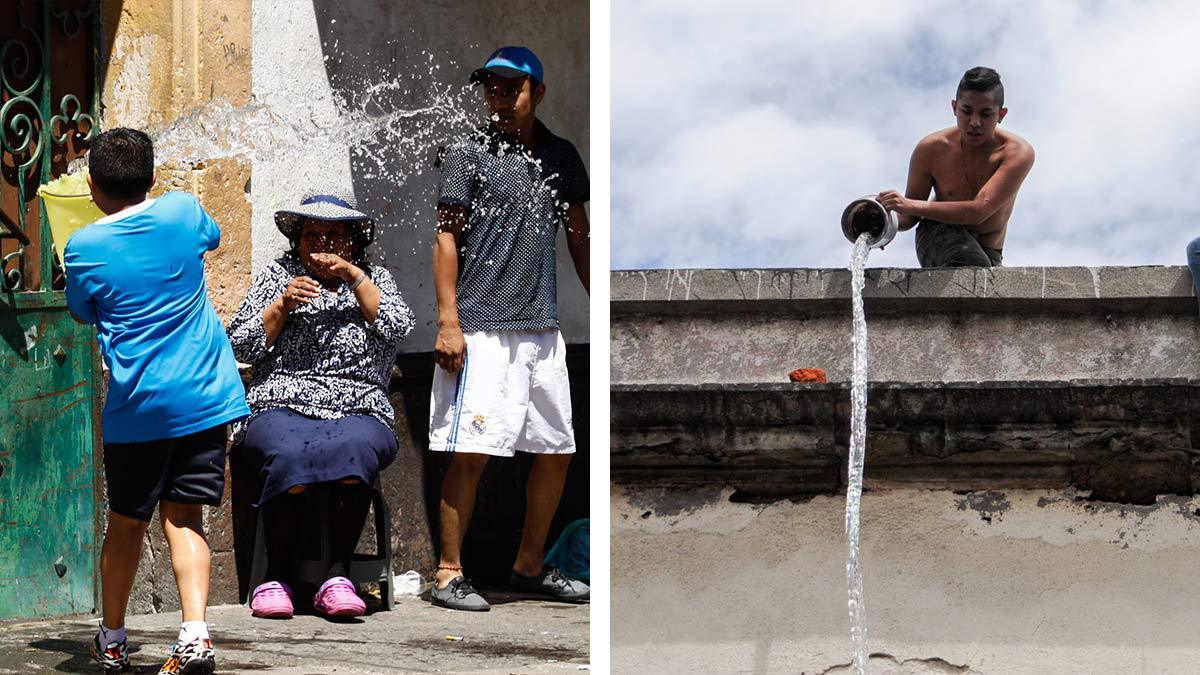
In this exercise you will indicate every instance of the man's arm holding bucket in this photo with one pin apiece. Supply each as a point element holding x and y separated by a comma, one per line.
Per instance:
<point>920,182</point>
<point>999,190</point>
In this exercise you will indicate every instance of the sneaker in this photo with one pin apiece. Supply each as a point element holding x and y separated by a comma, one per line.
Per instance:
<point>272,600</point>
<point>113,659</point>
<point>338,597</point>
<point>194,658</point>
<point>459,594</point>
<point>553,583</point>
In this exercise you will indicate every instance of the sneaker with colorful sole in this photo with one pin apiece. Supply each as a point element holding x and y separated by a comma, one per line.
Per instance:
<point>194,658</point>
<point>113,659</point>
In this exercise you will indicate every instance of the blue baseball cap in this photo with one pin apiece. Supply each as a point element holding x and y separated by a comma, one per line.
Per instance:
<point>511,61</point>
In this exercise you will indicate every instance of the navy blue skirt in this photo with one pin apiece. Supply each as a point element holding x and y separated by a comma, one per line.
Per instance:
<point>285,449</point>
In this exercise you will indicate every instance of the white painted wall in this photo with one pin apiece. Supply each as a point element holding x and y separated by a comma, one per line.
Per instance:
<point>1049,585</point>
<point>289,75</point>
<point>304,50</point>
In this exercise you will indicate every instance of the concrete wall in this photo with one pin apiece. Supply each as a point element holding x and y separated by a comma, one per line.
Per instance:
<point>311,54</point>
<point>307,52</point>
<point>1013,582</point>
<point>164,59</point>
<point>289,75</point>
<point>159,60</point>
<point>1030,473</point>
<point>1010,323</point>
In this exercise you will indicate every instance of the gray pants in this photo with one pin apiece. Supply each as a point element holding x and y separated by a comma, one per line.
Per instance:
<point>945,245</point>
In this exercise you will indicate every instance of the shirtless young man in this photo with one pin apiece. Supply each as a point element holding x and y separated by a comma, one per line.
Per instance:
<point>975,170</point>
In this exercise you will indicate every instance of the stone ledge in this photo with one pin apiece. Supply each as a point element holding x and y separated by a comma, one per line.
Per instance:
<point>1124,440</point>
<point>1158,288</point>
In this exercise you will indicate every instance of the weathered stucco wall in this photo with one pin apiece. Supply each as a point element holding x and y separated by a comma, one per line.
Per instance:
<point>309,53</point>
<point>1002,583</point>
<point>289,75</point>
<point>166,58</point>
<point>1009,323</point>
<point>1032,437</point>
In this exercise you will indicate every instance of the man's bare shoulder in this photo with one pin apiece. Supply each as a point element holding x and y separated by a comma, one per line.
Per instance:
<point>935,144</point>
<point>1016,149</point>
<point>938,140</point>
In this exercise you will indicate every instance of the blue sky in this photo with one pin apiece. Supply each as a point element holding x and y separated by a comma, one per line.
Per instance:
<point>740,131</point>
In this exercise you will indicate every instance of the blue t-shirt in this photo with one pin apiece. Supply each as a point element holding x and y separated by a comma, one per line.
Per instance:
<point>139,277</point>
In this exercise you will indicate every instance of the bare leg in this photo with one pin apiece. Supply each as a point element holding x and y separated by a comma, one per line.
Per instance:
<point>183,525</point>
<point>542,494</point>
<point>458,500</point>
<point>119,557</point>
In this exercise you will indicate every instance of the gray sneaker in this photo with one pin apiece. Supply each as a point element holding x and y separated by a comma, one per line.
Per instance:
<point>553,583</point>
<point>459,594</point>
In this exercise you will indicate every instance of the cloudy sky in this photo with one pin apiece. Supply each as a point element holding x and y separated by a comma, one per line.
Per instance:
<point>741,130</point>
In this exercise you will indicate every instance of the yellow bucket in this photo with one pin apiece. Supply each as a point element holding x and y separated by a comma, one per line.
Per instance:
<point>69,206</point>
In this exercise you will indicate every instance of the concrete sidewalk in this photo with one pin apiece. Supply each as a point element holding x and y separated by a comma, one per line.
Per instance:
<point>517,636</point>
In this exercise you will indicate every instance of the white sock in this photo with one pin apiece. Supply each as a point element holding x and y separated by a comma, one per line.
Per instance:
<point>191,631</point>
<point>111,635</point>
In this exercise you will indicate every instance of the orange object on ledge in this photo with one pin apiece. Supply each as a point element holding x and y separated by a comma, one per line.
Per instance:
<point>807,375</point>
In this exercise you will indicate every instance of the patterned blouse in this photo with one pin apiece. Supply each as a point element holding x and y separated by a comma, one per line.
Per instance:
<point>328,361</point>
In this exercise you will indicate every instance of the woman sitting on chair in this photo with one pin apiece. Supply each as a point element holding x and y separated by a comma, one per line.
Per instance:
<point>320,329</point>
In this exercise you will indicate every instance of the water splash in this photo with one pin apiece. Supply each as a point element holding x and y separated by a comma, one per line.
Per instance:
<point>387,129</point>
<point>858,452</point>
<point>391,122</point>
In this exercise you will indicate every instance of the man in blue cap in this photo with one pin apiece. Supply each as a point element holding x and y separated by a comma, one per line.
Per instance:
<point>501,384</point>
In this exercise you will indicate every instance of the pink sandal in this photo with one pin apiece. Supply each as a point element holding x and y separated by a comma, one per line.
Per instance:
<point>272,600</point>
<point>337,597</point>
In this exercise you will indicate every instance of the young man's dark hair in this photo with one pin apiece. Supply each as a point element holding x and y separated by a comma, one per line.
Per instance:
<point>121,163</point>
<point>984,80</point>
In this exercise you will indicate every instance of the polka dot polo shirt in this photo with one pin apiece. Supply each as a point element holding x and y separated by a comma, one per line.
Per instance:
<point>515,198</point>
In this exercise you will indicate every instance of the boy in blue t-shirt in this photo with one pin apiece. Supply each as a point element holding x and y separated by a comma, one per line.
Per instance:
<point>138,275</point>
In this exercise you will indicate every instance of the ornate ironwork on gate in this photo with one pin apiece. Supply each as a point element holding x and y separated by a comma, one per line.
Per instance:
<point>47,116</point>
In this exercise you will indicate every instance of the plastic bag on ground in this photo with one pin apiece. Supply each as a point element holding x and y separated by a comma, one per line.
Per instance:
<point>572,552</point>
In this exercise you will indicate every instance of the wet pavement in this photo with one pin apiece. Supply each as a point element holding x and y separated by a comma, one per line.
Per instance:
<point>517,636</point>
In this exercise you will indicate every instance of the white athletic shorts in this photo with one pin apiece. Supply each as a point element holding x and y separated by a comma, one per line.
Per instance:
<point>512,395</point>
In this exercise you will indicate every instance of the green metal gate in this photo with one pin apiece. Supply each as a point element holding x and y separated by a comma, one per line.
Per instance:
<point>48,363</point>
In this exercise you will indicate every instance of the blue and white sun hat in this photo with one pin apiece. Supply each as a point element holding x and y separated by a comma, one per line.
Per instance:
<point>326,204</point>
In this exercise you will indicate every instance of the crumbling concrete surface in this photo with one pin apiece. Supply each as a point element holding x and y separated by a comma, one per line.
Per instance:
<point>515,637</point>
<point>1000,582</point>
<point>941,325</point>
<point>1122,440</point>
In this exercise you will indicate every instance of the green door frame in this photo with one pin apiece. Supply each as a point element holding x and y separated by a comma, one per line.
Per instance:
<point>49,437</point>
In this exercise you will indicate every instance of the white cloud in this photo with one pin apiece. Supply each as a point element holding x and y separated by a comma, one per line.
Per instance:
<point>740,131</point>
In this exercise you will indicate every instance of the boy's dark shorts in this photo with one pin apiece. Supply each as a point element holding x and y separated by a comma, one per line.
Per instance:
<point>185,470</point>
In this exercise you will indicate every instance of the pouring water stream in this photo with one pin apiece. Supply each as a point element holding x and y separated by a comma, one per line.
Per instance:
<point>858,449</point>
